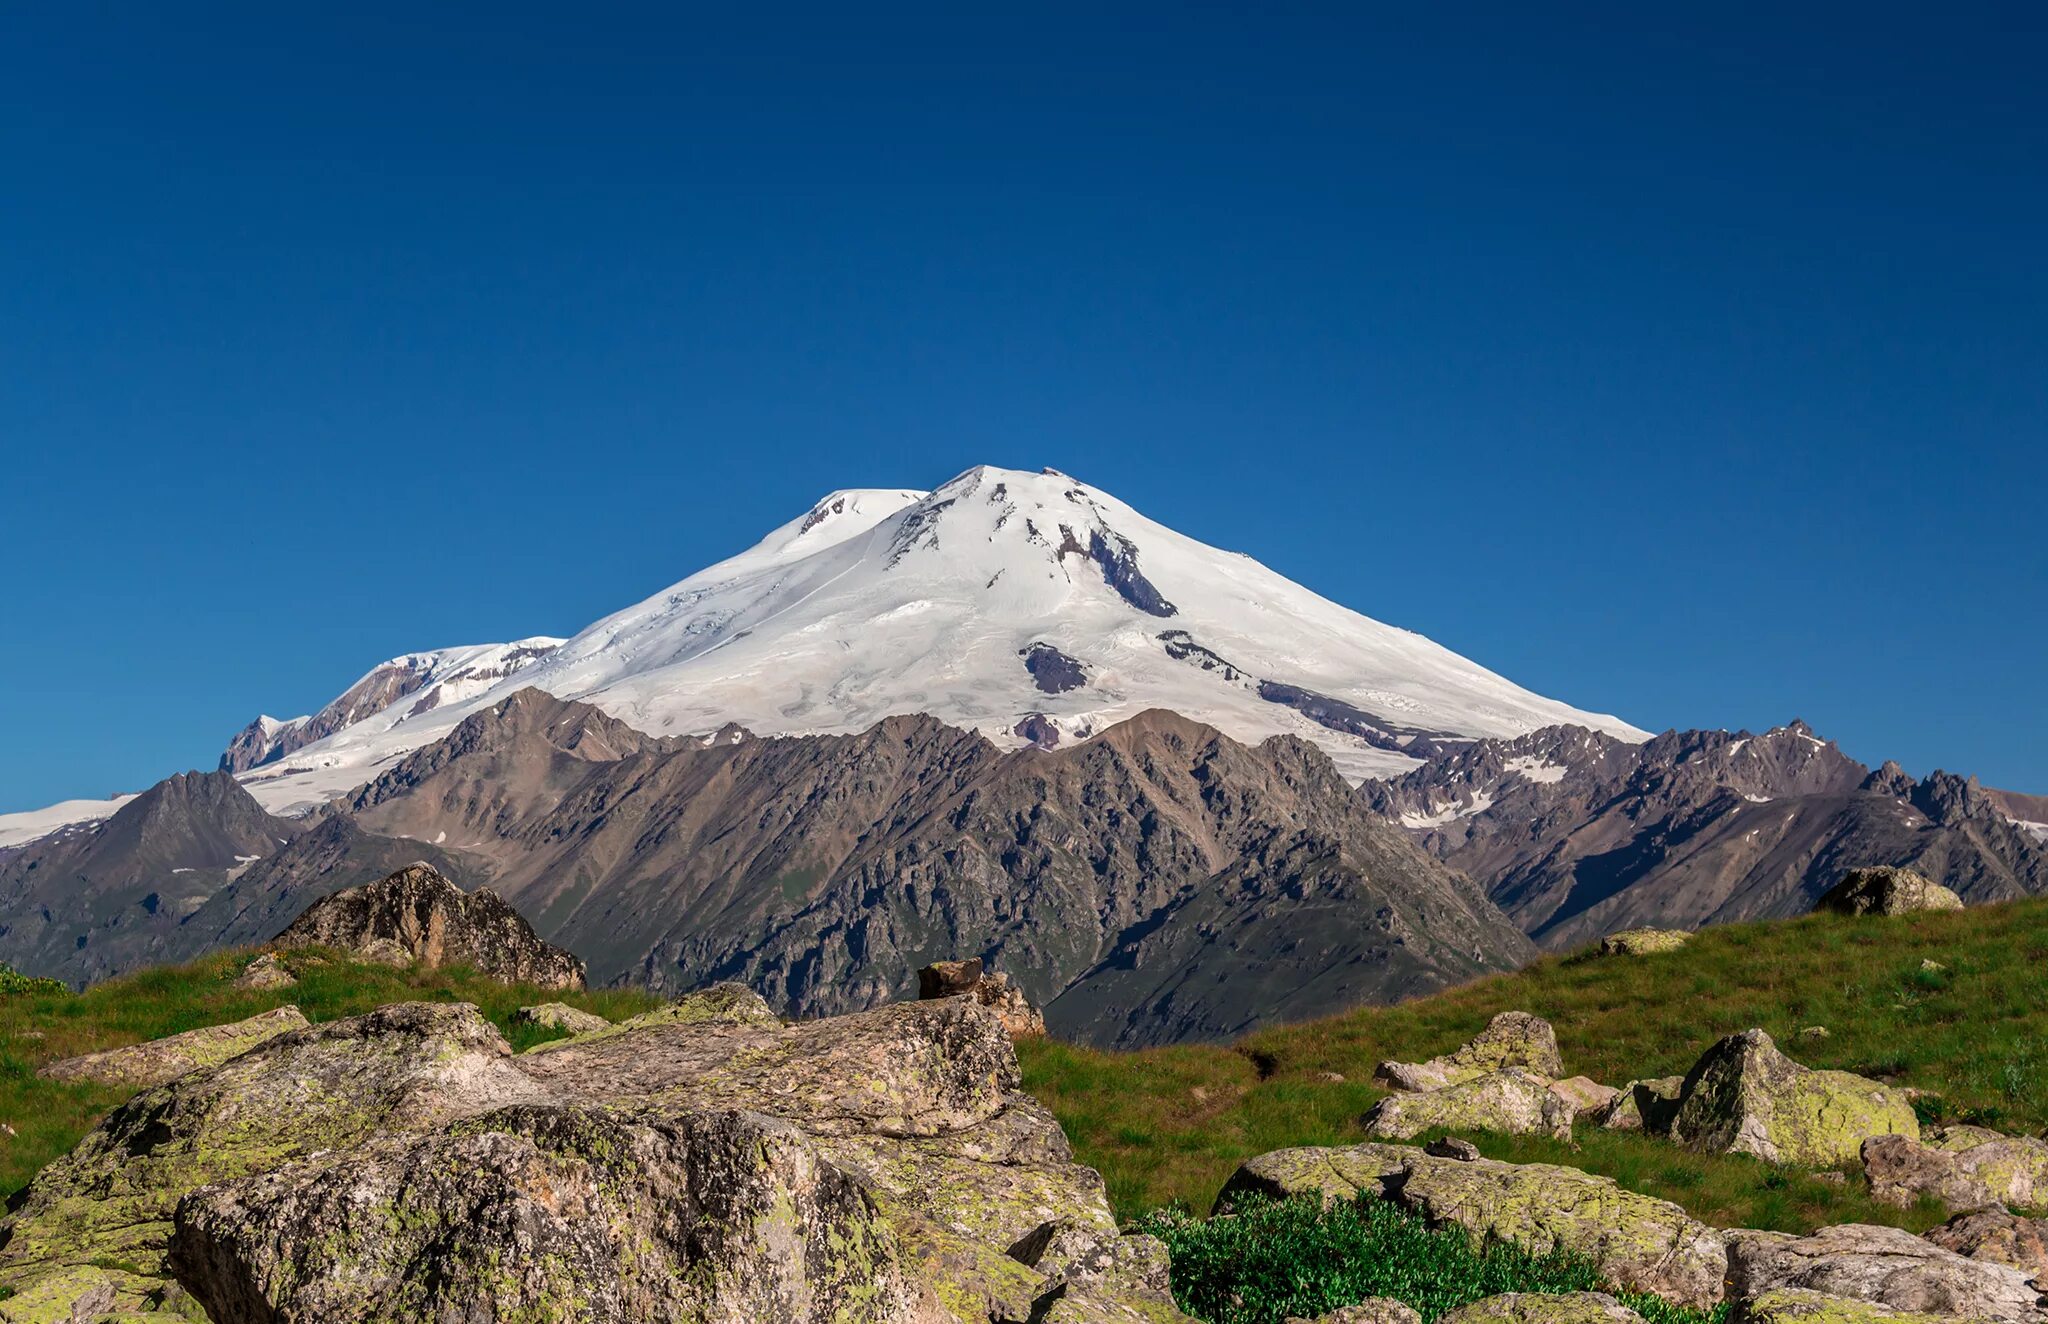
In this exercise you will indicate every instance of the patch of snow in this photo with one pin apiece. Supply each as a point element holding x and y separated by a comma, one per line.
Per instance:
<point>1537,770</point>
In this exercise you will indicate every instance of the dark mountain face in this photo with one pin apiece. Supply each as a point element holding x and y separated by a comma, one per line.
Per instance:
<point>1161,882</point>
<point>1576,834</point>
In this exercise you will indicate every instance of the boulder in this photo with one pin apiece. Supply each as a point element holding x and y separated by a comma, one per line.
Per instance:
<point>1745,1097</point>
<point>720,1004</point>
<point>139,1066</point>
<point>1511,1102</point>
<point>561,1016</point>
<point>1372,1310</point>
<point>265,972</point>
<point>1582,1094</point>
<point>1963,1167</point>
<point>947,979</point>
<point>1792,1305</point>
<point>1452,1148</point>
<point>1544,1308</point>
<point>1635,1240</point>
<point>416,914</point>
<point>1885,890</point>
<point>1511,1039</point>
<point>406,1165</point>
<point>1999,1236</point>
<point>1644,942</point>
<point>1883,1266</point>
<point>1642,1105</point>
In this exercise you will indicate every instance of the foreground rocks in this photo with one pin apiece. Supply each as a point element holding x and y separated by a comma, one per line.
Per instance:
<point>1793,1305</point>
<point>946,979</point>
<point>1886,890</point>
<point>561,1016</point>
<point>1882,1266</point>
<point>407,1165</point>
<point>1999,1236</point>
<point>1964,1167</point>
<point>1635,1240</point>
<point>1745,1097</point>
<point>416,914</point>
<point>141,1065</point>
<point>1373,1310</point>
<point>1513,1039</point>
<point>1545,1308</point>
<point>1511,1102</point>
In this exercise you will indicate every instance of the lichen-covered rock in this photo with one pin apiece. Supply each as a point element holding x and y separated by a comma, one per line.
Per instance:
<point>264,973</point>
<point>1372,1310</point>
<point>1999,1236</point>
<point>1512,1039</point>
<point>1584,1095</point>
<point>1745,1097</point>
<point>1644,942</point>
<point>1885,1266</point>
<point>719,1004</point>
<point>1885,890</point>
<point>1511,1102</point>
<point>1793,1305</point>
<point>159,1060</point>
<point>1962,1170</point>
<point>1544,1308</point>
<point>1642,1105</point>
<point>416,914</point>
<point>1636,1241</point>
<point>946,979</point>
<point>561,1016</point>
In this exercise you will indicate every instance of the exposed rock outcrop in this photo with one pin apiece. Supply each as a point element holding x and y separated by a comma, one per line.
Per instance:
<point>1883,1266</point>
<point>418,915</point>
<point>1642,1105</point>
<point>1511,1102</point>
<point>1644,942</point>
<point>1886,890</point>
<point>2001,1237</point>
<point>1745,1097</point>
<point>946,979</point>
<point>1963,1167</point>
<point>1794,1305</point>
<point>1510,1039</point>
<point>561,1016</point>
<point>139,1066</point>
<point>265,972</point>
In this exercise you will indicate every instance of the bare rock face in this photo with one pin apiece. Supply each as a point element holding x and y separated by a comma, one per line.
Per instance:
<point>159,1060</point>
<point>418,913</point>
<point>1963,1167</point>
<point>1745,1097</point>
<point>1511,1039</point>
<point>1882,1266</point>
<point>880,1167</point>
<point>945,979</point>
<point>1545,1308</point>
<point>1511,1102</point>
<point>1886,890</point>
<point>2000,1237</point>
<point>561,1016</point>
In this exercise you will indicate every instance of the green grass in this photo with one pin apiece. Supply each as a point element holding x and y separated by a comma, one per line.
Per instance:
<point>1167,1126</point>
<point>1271,1259</point>
<point>40,1025</point>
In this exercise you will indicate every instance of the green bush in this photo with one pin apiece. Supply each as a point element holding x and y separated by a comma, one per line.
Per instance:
<point>1269,1259</point>
<point>13,981</point>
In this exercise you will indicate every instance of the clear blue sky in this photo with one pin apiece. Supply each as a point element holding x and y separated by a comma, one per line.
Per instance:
<point>1694,371</point>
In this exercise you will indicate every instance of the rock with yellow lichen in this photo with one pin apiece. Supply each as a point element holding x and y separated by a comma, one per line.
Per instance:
<point>1745,1097</point>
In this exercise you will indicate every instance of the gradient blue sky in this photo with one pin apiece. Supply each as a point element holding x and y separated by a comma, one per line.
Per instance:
<point>1691,370</point>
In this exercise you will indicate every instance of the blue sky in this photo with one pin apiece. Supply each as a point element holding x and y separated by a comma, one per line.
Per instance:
<point>1694,370</point>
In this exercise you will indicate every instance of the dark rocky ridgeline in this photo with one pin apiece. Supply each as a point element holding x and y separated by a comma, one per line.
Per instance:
<point>1160,882</point>
<point>405,1164</point>
<point>1576,834</point>
<point>416,914</point>
<point>1053,671</point>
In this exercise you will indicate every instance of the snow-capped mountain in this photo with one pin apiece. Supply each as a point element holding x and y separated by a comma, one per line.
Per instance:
<point>1029,606</point>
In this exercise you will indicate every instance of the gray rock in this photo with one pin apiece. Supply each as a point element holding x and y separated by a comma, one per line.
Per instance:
<point>1642,1105</point>
<point>142,1065</point>
<point>2000,1237</point>
<point>1510,1102</point>
<point>1745,1097</point>
<point>416,914</point>
<point>1886,890</point>
<point>1451,1147</point>
<point>1963,1167</point>
<point>946,979</point>
<point>1584,1095</point>
<point>1883,1266</point>
<point>265,972</point>
<point>1372,1310</point>
<point>1544,1308</point>
<point>1511,1039</point>
<point>561,1016</point>
<point>1793,1305</point>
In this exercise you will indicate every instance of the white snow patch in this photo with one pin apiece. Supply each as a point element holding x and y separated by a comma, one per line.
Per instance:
<point>1537,770</point>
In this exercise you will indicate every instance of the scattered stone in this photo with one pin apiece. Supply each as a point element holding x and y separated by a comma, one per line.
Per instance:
<point>1793,1305</point>
<point>1644,942</point>
<point>1884,1266</point>
<point>1930,965</point>
<point>1814,1032</point>
<point>1372,1310</point>
<point>1583,1094</point>
<point>1745,1097</point>
<point>142,1065</point>
<point>561,1016</point>
<point>1963,1167</point>
<point>1544,1308</point>
<point>416,914</point>
<point>720,1004</point>
<point>947,979</point>
<point>1642,1105</point>
<point>1999,1236</point>
<point>1511,1039</point>
<point>1451,1147</point>
<point>1330,1077</point>
<point>265,972</point>
<point>1510,1102</point>
<point>1832,1177</point>
<point>1885,890</point>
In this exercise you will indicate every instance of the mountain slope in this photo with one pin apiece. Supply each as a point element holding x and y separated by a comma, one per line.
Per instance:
<point>1576,834</point>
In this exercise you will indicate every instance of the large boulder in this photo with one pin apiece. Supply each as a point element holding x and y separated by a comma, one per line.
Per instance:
<point>1511,1039</point>
<point>561,1016</point>
<point>1644,942</point>
<point>1635,1240</point>
<point>1544,1308</point>
<point>1511,1102</point>
<point>1885,890</point>
<point>1883,1266</point>
<point>949,979</point>
<point>139,1066</point>
<point>416,914</point>
<point>1963,1167</point>
<point>1793,1305</point>
<point>407,1165</point>
<point>2000,1236</point>
<point>1745,1097</point>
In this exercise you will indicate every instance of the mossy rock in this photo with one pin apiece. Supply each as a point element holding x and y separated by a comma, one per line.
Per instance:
<point>1745,1097</point>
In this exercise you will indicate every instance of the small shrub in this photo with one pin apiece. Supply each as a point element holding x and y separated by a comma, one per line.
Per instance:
<point>12,981</point>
